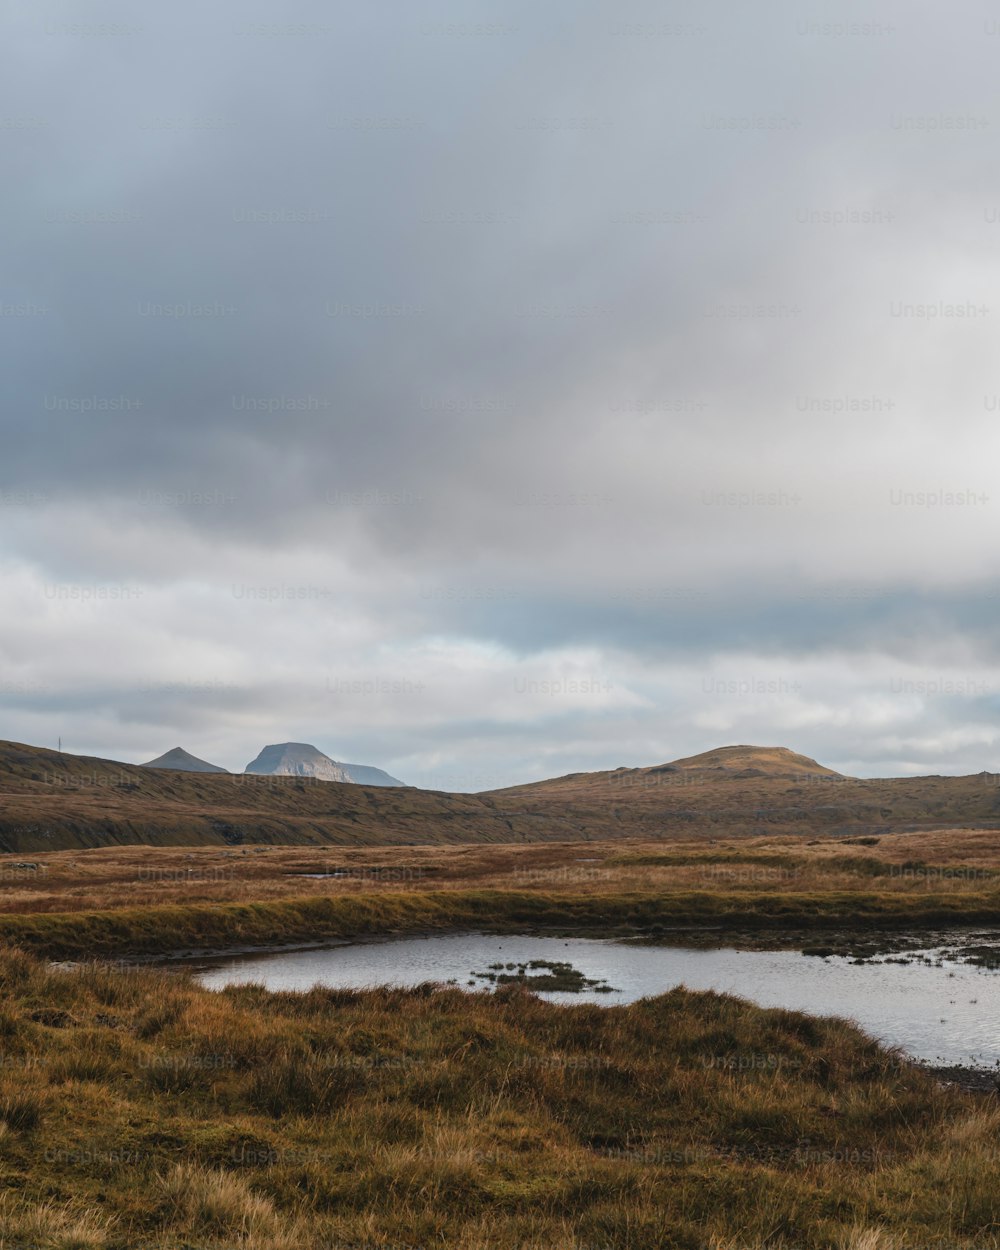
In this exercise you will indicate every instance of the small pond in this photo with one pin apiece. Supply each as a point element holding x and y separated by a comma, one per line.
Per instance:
<point>935,1006</point>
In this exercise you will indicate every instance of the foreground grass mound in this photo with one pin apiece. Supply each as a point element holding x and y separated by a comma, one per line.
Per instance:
<point>139,1111</point>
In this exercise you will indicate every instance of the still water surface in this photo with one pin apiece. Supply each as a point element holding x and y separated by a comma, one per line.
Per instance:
<point>948,1014</point>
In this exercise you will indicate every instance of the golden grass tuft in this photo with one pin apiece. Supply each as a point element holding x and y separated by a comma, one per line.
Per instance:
<point>216,1203</point>
<point>869,1239</point>
<point>46,1226</point>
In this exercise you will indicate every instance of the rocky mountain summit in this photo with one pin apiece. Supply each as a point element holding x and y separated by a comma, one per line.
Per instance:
<point>299,759</point>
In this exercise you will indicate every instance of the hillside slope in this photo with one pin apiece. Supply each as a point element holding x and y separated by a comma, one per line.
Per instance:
<point>754,790</point>
<point>50,801</point>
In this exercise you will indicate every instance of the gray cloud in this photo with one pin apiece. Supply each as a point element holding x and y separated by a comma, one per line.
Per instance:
<point>499,345</point>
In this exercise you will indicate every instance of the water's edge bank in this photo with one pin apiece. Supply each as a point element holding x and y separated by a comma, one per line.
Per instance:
<point>181,937</point>
<point>982,1081</point>
<point>171,931</point>
<point>451,960</point>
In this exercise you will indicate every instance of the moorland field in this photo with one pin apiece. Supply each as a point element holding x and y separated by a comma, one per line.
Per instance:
<point>138,1109</point>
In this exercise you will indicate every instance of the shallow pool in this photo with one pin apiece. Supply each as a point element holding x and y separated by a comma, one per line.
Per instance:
<point>948,1014</point>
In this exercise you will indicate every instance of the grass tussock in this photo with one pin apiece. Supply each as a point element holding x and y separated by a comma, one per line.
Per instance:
<point>212,1202</point>
<point>157,1115</point>
<point>48,1226</point>
<point>20,1110</point>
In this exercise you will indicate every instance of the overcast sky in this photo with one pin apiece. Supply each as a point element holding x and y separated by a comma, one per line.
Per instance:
<point>496,390</point>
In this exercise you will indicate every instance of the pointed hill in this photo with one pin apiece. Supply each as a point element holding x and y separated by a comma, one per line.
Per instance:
<point>183,761</point>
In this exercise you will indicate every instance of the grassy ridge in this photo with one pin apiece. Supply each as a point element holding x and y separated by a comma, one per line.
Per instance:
<point>158,930</point>
<point>50,801</point>
<point>139,1111</point>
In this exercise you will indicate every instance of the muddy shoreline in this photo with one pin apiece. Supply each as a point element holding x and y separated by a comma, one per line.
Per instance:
<point>982,1081</point>
<point>974,946</point>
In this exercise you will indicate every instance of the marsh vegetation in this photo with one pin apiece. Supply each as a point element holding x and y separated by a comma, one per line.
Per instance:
<point>138,1110</point>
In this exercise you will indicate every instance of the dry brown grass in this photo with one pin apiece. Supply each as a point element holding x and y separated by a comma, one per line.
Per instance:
<point>331,1119</point>
<point>211,1202</point>
<point>945,861</point>
<point>49,1226</point>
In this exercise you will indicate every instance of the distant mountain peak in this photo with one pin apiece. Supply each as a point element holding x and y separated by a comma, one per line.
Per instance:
<point>296,759</point>
<point>758,761</point>
<point>184,761</point>
<point>300,759</point>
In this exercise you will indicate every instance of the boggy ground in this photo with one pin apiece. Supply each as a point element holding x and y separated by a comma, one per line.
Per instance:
<point>959,864</point>
<point>849,894</point>
<point>138,1111</point>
